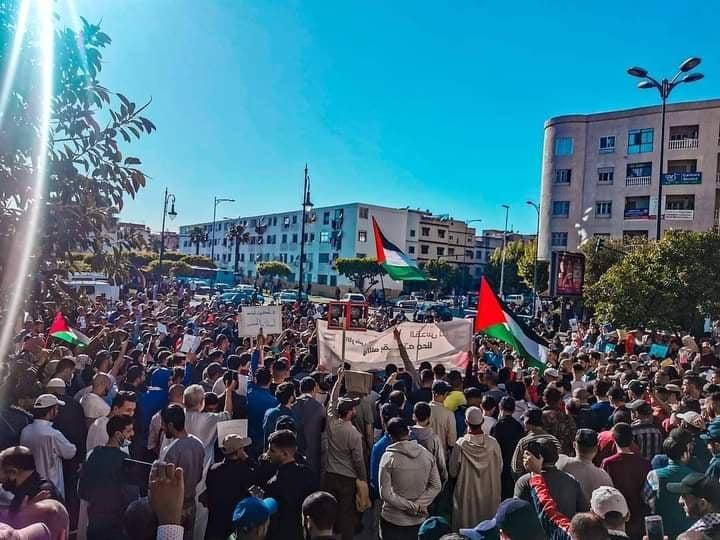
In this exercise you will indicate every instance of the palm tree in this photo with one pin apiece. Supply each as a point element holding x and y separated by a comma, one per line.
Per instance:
<point>198,235</point>
<point>239,235</point>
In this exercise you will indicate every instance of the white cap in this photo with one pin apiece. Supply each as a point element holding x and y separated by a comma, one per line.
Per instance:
<point>608,499</point>
<point>56,382</point>
<point>47,400</point>
<point>552,372</point>
<point>474,416</point>
<point>692,418</point>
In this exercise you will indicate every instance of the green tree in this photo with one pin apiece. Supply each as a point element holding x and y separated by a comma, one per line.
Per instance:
<point>672,284</point>
<point>238,235</point>
<point>443,276</point>
<point>273,269</point>
<point>526,268</point>
<point>198,260</point>
<point>197,235</point>
<point>174,268</point>
<point>88,173</point>
<point>599,258</point>
<point>513,284</point>
<point>360,270</point>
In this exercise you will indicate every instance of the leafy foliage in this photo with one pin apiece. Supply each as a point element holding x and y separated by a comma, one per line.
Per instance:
<point>526,268</point>
<point>88,173</point>
<point>671,284</point>
<point>174,268</point>
<point>360,270</point>
<point>514,283</point>
<point>274,269</point>
<point>600,258</point>
<point>198,260</point>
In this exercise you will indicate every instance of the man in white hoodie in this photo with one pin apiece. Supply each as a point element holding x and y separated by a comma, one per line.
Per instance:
<point>409,482</point>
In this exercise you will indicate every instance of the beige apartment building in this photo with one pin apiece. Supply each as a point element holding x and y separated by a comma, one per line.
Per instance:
<point>601,171</point>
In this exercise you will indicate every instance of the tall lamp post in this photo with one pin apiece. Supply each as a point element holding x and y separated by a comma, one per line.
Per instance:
<point>502,264</point>
<point>536,206</point>
<point>216,201</point>
<point>172,214</point>
<point>306,207</point>
<point>664,87</point>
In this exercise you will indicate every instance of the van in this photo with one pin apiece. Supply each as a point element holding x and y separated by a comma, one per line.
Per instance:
<point>94,286</point>
<point>517,299</point>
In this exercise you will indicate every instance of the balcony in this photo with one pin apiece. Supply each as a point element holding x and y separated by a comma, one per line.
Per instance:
<point>637,181</point>
<point>682,144</point>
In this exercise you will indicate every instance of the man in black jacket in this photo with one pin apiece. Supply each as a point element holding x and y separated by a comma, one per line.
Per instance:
<point>19,477</point>
<point>508,432</point>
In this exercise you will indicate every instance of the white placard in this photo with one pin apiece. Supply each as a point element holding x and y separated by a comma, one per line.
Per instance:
<point>242,385</point>
<point>236,427</point>
<point>573,324</point>
<point>190,343</point>
<point>254,318</point>
<point>162,329</point>
<point>445,343</point>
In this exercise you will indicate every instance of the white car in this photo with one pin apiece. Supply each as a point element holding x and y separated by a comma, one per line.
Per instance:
<point>355,298</point>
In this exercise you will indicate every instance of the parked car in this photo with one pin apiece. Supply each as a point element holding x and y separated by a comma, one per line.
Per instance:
<point>517,299</point>
<point>290,296</point>
<point>241,298</point>
<point>426,309</point>
<point>406,302</point>
<point>354,297</point>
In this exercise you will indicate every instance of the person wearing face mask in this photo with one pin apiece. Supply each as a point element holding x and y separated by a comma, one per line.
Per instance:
<point>123,404</point>
<point>19,476</point>
<point>102,485</point>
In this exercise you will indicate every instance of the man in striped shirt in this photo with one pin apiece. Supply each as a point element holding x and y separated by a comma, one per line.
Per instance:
<point>646,433</point>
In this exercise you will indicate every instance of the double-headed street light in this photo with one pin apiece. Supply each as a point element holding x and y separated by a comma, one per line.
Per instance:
<point>536,206</point>
<point>665,87</point>
<point>216,201</point>
<point>306,207</point>
<point>172,214</point>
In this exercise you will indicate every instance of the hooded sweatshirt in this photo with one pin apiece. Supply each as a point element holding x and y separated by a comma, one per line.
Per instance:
<point>431,442</point>
<point>409,481</point>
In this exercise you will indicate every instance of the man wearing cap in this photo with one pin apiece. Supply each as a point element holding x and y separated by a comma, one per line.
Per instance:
<point>344,460</point>
<point>646,433</point>
<point>712,440</point>
<point>693,423</point>
<point>442,420</point>
<point>516,519</point>
<point>609,505</point>
<point>476,463</point>
<point>48,446</point>
<point>556,421</point>
<point>227,483</point>
<point>700,498</point>
<point>582,467</point>
<point>433,528</point>
<point>251,518</point>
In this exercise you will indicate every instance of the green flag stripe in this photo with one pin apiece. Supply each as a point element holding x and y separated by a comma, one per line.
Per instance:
<point>404,273</point>
<point>503,333</point>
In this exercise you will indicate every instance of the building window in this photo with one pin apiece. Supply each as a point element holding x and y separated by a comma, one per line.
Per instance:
<point>324,237</point>
<point>322,279</point>
<point>362,236</point>
<point>363,213</point>
<point>242,257</point>
<point>603,209</point>
<point>640,141</point>
<point>562,176</point>
<point>440,251</point>
<point>559,239</point>
<point>680,202</point>
<point>283,239</point>
<point>294,238</point>
<point>561,208</point>
<point>411,249</point>
<point>294,220</point>
<point>468,254</point>
<point>607,144</point>
<point>637,207</point>
<point>425,231</point>
<point>326,218</point>
<point>606,175</point>
<point>451,252</point>
<point>333,281</point>
<point>324,258</point>
<point>478,255</point>
<point>441,233</point>
<point>563,146</point>
<point>412,233</point>
<point>424,249</point>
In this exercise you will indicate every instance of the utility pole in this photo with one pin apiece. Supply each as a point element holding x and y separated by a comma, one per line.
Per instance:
<point>502,265</point>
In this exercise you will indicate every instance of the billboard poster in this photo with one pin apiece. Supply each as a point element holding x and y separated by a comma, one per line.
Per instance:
<point>568,273</point>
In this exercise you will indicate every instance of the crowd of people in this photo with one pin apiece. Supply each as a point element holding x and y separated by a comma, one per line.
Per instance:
<point>117,438</point>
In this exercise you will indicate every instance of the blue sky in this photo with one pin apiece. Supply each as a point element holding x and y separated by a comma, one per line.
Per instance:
<point>437,105</point>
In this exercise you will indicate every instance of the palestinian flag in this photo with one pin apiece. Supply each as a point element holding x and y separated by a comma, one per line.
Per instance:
<point>496,320</point>
<point>399,266</point>
<point>61,330</point>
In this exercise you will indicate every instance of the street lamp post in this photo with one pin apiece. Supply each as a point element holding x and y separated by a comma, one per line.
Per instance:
<point>502,264</point>
<point>172,214</point>
<point>306,207</point>
<point>536,206</point>
<point>216,201</point>
<point>664,87</point>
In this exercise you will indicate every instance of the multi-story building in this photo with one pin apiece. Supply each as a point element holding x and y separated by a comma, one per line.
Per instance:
<point>490,240</point>
<point>330,233</point>
<point>601,171</point>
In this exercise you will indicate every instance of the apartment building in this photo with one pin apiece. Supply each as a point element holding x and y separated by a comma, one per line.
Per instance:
<point>332,232</point>
<point>491,239</point>
<point>601,171</point>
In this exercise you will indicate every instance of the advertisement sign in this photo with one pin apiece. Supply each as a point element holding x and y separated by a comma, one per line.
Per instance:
<point>567,274</point>
<point>446,343</point>
<point>679,215</point>
<point>682,178</point>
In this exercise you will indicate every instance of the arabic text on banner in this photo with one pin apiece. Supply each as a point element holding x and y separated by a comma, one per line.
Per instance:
<point>253,318</point>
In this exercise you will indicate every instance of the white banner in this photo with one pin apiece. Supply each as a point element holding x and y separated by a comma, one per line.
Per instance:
<point>438,343</point>
<point>254,318</point>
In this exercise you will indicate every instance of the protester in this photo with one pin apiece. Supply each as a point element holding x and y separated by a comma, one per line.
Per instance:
<point>19,476</point>
<point>609,505</point>
<point>582,467</point>
<point>648,436</point>
<point>123,404</point>
<point>534,427</point>
<point>700,499</point>
<point>507,432</point>
<point>311,417</point>
<point>319,511</point>
<point>442,420</point>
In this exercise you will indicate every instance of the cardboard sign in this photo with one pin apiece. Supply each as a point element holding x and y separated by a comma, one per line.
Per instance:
<point>242,385</point>
<point>252,319</point>
<point>358,382</point>
<point>162,329</point>
<point>235,427</point>
<point>190,343</point>
<point>658,351</point>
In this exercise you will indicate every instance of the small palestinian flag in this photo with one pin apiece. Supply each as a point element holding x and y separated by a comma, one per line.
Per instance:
<point>496,320</point>
<point>399,266</point>
<point>61,330</point>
